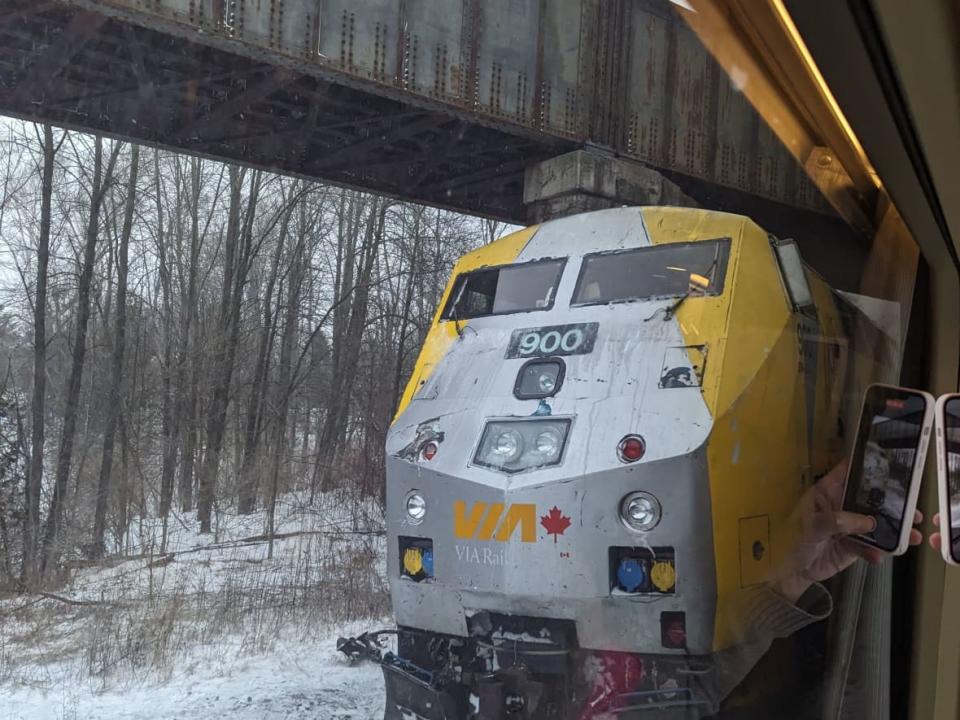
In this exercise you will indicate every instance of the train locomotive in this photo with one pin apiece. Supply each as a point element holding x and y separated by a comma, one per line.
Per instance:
<point>595,459</point>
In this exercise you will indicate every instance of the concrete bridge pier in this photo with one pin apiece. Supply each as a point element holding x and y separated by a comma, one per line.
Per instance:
<point>594,179</point>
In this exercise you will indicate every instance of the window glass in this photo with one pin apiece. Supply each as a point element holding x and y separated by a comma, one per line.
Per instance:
<point>653,272</point>
<point>233,440</point>
<point>506,289</point>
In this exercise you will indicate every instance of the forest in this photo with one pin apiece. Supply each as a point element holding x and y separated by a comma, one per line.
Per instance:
<point>184,339</point>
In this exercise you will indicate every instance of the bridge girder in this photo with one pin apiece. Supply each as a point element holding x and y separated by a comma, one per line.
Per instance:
<point>343,91</point>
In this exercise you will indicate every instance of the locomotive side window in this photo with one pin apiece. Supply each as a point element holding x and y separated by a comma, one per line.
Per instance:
<point>650,273</point>
<point>505,289</point>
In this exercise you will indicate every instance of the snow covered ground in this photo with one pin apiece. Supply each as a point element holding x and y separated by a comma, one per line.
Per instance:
<point>294,680</point>
<point>212,628</point>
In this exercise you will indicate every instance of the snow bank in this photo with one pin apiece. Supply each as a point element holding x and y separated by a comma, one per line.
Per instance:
<point>213,627</point>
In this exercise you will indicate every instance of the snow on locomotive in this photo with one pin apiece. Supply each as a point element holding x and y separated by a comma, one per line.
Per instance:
<point>609,422</point>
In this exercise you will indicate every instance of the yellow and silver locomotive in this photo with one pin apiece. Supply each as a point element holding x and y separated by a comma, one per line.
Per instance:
<point>611,418</point>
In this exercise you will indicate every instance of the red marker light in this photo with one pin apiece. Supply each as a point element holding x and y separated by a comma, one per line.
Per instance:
<point>429,451</point>
<point>673,630</point>
<point>631,448</point>
<point>676,634</point>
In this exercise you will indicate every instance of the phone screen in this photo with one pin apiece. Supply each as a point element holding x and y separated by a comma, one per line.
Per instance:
<point>951,441</point>
<point>883,461</point>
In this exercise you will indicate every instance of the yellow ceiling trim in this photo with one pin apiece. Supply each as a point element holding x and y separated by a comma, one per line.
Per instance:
<point>801,48</point>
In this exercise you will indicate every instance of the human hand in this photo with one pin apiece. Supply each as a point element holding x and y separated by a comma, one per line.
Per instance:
<point>936,538</point>
<point>823,546</point>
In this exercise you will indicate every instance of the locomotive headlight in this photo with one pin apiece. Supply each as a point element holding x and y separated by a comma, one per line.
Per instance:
<point>416,507</point>
<point>547,382</point>
<point>508,445</point>
<point>514,445</point>
<point>539,379</point>
<point>548,443</point>
<point>640,511</point>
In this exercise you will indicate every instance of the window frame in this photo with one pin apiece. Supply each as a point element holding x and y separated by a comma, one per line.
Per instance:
<point>463,277</point>
<point>723,265</point>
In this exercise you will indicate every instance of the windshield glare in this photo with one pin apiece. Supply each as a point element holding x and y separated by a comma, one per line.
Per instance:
<point>650,273</point>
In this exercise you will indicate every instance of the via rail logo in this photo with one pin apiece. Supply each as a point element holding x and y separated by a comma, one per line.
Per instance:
<point>499,522</point>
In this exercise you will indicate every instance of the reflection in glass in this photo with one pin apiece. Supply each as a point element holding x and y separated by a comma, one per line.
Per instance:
<point>883,465</point>
<point>656,272</point>
<point>951,439</point>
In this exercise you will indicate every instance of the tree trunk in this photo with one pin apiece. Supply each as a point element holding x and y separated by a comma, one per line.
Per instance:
<point>31,524</point>
<point>51,537</point>
<point>116,366</point>
<point>247,495</point>
<point>405,314</point>
<point>188,361</point>
<point>168,419</point>
<point>237,257</point>
<point>284,389</point>
<point>345,367</point>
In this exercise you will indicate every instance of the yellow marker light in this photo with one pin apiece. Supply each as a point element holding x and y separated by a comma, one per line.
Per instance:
<point>413,561</point>
<point>699,280</point>
<point>663,576</point>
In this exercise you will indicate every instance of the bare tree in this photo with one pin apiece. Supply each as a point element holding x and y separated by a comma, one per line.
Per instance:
<point>119,346</point>
<point>203,338</point>
<point>246,500</point>
<point>31,525</point>
<point>347,340</point>
<point>100,182</point>
<point>238,251</point>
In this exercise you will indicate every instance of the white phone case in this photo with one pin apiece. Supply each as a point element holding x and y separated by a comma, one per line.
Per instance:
<point>946,544</point>
<point>914,488</point>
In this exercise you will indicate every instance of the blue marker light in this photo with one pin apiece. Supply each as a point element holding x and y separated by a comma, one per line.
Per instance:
<point>631,574</point>
<point>428,563</point>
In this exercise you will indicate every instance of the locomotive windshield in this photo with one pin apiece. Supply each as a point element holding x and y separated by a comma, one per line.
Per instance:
<point>660,271</point>
<point>505,289</point>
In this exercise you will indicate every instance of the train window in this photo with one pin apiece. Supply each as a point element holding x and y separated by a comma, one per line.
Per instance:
<point>661,271</point>
<point>505,289</point>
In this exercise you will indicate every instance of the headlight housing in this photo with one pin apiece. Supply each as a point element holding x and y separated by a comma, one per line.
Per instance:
<point>640,511</point>
<point>516,445</point>
<point>415,506</point>
<point>539,379</point>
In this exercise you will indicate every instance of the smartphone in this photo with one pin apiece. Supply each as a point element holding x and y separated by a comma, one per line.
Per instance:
<point>948,474</point>
<point>886,464</point>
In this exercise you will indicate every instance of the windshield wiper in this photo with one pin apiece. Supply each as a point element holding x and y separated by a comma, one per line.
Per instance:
<point>672,310</point>
<point>454,315</point>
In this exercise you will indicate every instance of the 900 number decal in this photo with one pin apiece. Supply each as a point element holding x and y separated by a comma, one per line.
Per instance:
<point>577,339</point>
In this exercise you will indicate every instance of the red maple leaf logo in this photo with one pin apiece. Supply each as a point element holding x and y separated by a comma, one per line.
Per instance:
<point>555,522</point>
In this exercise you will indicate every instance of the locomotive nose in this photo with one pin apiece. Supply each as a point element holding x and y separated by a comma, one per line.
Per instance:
<point>586,548</point>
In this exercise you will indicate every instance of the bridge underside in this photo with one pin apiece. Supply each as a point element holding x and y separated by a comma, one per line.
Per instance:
<point>74,66</point>
<point>92,72</point>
